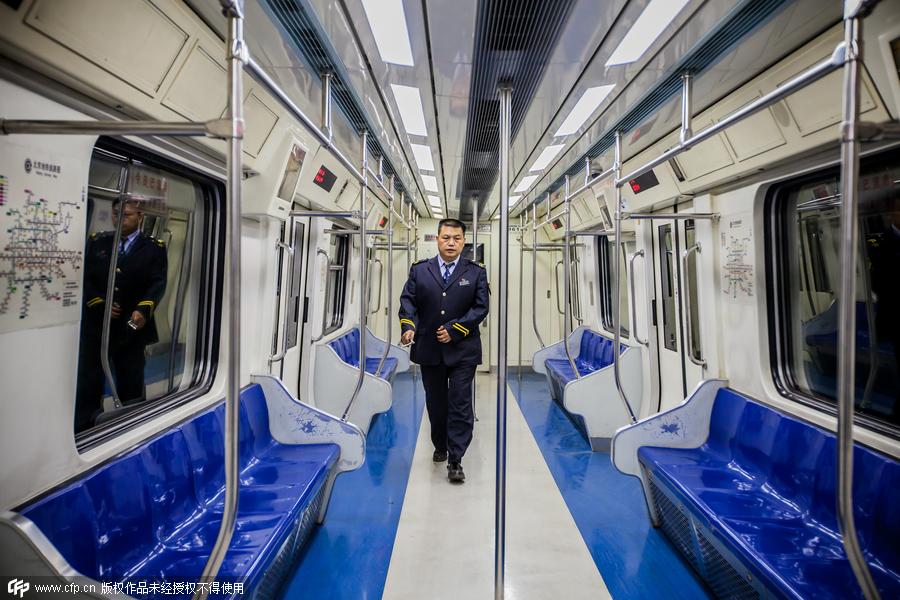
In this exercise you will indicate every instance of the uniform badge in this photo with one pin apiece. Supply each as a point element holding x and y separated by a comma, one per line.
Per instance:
<point>463,281</point>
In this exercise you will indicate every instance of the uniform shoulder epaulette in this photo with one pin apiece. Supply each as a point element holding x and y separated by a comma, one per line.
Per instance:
<point>158,242</point>
<point>419,262</point>
<point>100,234</point>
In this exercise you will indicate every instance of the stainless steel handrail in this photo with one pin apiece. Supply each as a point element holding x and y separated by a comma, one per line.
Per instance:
<point>534,281</point>
<point>500,490</point>
<point>617,304</point>
<point>576,296</point>
<point>567,271</point>
<point>637,338</point>
<point>363,278</point>
<point>390,284</point>
<point>183,278</point>
<point>110,294</point>
<point>847,299</point>
<point>323,252</point>
<point>376,261</point>
<point>521,291</point>
<point>273,358</point>
<point>233,9</point>
<point>689,321</point>
<point>559,302</point>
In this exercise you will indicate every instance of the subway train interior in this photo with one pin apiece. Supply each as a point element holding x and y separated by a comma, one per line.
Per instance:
<point>214,213</point>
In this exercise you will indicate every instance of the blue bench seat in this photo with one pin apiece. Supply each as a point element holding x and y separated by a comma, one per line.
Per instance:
<point>763,487</point>
<point>154,513</point>
<point>595,352</point>
<point>347,348</point>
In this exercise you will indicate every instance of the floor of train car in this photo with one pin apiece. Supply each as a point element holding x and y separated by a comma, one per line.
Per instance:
<point>576,528</point>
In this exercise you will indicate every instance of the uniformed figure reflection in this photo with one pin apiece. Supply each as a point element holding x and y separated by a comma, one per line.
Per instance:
<point>140,284</point>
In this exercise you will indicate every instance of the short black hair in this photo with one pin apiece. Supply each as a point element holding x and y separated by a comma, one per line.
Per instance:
<point>455,223</point>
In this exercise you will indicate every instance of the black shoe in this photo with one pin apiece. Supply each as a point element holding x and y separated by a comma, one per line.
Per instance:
<point>439,456</point>
<point>455,473</point>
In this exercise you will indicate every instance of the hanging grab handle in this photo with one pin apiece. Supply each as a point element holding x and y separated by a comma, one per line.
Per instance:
<point>559,307</point>
<point>637,338</point>
<point>685,260</point>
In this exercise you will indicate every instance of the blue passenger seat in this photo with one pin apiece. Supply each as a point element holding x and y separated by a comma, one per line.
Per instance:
<point>761,491</point>
<point>154,513</point>
<point>595,353</point>
<point>347,348</point>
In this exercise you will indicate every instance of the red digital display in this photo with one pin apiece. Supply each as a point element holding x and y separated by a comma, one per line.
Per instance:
<point>325,179</point>
<point>556,224</point>
<point>635,186</point>
<point>382,222</point>
<point>644,182</point>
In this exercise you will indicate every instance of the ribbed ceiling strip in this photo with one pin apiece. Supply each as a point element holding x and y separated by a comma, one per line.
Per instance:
<point>740,24</point>
<point>301,31</point>
<point>513,41</point>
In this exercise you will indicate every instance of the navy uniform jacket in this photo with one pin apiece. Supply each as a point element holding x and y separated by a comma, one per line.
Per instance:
<point>460,306</point>
<point>140,283</point>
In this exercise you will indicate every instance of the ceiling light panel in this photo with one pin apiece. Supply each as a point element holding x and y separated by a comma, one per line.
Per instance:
<point>434,201</point>
<point>656,16</point>
<point>409,102</point>
<point>590,100</point>
<point>430,182</point>
<point>423,157</point>
<point>514,199</point>
<point>548,154</point>
<point>388,22</point>
<point>526,183</point>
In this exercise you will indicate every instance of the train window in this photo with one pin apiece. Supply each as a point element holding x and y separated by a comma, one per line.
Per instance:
<point>160,344</point>
<point>667,281</point>
<point>608,286</point>
<point>806,265</point>
<point>336,286</point>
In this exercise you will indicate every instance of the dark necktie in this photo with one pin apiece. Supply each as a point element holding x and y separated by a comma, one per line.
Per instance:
<point>446,273</point>
<point>121,248</point>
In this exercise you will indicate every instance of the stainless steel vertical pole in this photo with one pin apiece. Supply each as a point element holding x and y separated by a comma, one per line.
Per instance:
<point>326,104</point>
<point>567,311</point>
<point>390,281</point>
<point>617,308</point>
<point>847,304</point>
<point>363,284</point>
<point>534,256</point>
<point>234,10</point>
<point>502,316</point>
<point>521,289</point>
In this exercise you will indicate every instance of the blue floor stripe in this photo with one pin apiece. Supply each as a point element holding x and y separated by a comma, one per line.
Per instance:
<point>349,555</point>
<point>635,560</point>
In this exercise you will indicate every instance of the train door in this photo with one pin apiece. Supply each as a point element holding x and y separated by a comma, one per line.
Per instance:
<point>291,303</point>
<point>676,293</point>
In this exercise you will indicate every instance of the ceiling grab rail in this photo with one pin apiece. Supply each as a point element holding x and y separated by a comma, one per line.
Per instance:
<point>637,338</point>
<point>323,252</point>
<point>390,282</point>
<point>505,93</point>
<point>689,320</point>
<point>847,300</point>
<point>284,250</point>
<point>617,304</point>
<point>363,281</point>
<point>534,277</point>
<point>567,271</point>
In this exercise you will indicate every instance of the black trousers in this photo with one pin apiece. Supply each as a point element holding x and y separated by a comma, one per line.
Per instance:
<point>448,398</point>
<point>127,364</point>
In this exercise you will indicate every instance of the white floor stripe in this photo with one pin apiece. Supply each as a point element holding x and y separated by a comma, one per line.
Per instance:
<point>445,541</point>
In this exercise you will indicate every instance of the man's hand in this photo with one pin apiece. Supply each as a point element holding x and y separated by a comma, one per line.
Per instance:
<point>442,335</point>
<point>137,317</point>
<point>407,337</point>
<point>116,310</point>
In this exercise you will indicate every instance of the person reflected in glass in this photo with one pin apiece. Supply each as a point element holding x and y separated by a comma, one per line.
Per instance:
<point>141,273</point>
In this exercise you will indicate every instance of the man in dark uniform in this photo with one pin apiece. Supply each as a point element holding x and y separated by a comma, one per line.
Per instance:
<point>141,273</point>
<point>442,304</point>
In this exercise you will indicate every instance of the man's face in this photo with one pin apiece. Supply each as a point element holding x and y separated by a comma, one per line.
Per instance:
<point>131,218</point>
<point>450,242</point>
